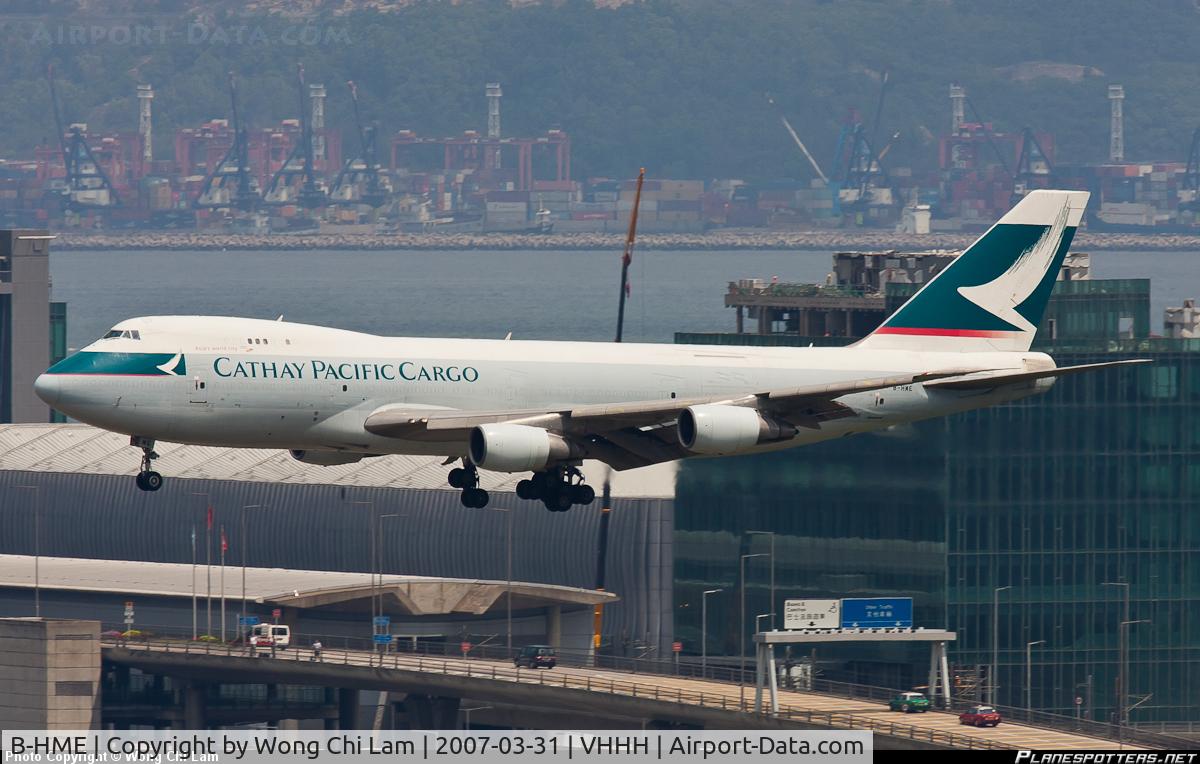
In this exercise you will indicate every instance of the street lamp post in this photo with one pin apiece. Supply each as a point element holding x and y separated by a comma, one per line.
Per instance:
<point>507,573</point>
<point>37,548</point>
<point>245,543</point>
<point>704,629</point>
<point>992,677</point>
<point>1123,708</point>
<point>378,551</point>
<point>742,628</point>
<point>467,714</point>
<point>772,553</point>
<point>1122,694</point>
<point>1029,673</point>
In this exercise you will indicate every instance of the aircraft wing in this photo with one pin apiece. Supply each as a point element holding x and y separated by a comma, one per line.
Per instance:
<point>989,379</point>
<point>636,433</point>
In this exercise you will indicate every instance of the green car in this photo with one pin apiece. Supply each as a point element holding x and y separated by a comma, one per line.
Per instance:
<point>909,703</point>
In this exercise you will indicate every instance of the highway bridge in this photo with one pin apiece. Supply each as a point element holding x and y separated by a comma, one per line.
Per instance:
<point>572,695</point>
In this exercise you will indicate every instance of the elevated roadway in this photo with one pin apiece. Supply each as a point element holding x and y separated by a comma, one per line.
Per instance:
<point>588,691</point>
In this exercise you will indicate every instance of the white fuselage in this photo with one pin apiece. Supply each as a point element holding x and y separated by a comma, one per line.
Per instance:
<point>275,384</point>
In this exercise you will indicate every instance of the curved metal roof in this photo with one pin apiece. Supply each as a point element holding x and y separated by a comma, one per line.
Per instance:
<point>83,449</point>
<point>414,595</point>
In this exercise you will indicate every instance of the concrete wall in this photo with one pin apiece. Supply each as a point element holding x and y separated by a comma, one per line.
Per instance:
<point>50,674</point>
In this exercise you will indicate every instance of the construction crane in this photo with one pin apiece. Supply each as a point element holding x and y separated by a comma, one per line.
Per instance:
<point>87,185</point>
<point>362,167</point>
<point>298,164</point>
<point>799,143</point>
<point>230,183</point>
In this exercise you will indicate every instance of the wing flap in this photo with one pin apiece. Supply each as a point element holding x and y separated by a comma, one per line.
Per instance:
<point>989,380</point>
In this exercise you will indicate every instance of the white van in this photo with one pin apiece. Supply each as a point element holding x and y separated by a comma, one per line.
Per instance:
<point>265,635</point>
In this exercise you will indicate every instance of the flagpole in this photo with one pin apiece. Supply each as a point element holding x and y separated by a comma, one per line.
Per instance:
<point>222,582</point>
<point>193,582</point>
<point>208,570</point>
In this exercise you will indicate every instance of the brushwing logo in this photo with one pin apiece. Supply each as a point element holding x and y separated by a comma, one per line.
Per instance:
<point>1004,294</point>
<point>171,367</point>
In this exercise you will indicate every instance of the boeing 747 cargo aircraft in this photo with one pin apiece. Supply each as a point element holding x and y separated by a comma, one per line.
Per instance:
<point>334,397</point>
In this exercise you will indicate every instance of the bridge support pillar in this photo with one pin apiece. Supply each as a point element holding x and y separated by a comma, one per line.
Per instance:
<point>347,709</point>
<point>554,626</point>
<point>431,713</point>
<point>193,707</point>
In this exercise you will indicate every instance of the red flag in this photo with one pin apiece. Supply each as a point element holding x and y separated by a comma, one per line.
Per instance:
<point>224,542</point>
<point>209,518</point>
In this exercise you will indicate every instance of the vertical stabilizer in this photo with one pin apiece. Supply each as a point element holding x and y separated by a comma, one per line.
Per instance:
<point>993,295</point>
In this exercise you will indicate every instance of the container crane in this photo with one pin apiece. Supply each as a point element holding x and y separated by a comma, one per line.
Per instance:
<point>298,164</point>
<point>1032,164</point>
<point>1189,188</point>
<point>86,185</point>
<point>232,171</point>
<point>364,167</point>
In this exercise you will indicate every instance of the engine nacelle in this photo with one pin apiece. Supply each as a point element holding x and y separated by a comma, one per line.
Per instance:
<point>718,430</point>
<point>518,448</point>
<point>326,458</point>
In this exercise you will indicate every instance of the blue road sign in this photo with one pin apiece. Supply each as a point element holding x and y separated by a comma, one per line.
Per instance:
<point>383,639</point>
<point>250,620</point>
<point>878,613</point>
<point>382,620</point>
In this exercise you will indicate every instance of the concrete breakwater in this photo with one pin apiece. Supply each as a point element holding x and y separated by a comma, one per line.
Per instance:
<point>848,239</point>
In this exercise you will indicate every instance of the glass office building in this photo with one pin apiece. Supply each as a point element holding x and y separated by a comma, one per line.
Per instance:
<point>1046,512</point>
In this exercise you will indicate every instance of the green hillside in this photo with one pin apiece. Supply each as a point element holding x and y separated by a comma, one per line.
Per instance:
<point>677,85</point>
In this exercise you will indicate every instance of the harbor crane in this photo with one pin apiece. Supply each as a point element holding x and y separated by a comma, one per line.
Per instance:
<point>799,143</point>
<point>363,168</point>
<point>230,183</point>
<point>299,164</point>
<point>86,185</point>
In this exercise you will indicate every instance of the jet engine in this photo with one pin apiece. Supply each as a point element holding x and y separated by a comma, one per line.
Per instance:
<point>326,458</point>
<point>518,448</point>
<point>718,430</point>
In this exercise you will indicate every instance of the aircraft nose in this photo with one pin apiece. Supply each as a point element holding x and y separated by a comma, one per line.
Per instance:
<point>48,388</point>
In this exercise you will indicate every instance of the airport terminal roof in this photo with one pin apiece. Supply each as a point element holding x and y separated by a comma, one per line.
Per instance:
<point>83,449</point>
<point>414,595</point>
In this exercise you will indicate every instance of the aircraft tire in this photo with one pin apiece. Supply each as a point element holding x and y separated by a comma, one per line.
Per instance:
<point>150,481</point>
<point>583,494</point>
<point>527,489</point>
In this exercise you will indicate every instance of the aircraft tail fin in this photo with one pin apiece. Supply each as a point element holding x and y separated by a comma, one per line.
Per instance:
<point>993,295</point>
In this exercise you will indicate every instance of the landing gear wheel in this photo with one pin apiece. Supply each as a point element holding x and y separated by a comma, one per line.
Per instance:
<point>460,478</point>
<point>149,481</point>
<point>474,498</point>
<point>583,494</point>
<point>527,489</point>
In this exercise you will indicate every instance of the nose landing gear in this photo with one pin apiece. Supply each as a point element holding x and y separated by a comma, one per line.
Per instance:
<point>147,479</point>
<point>559,488</point>
<point>467,478</point>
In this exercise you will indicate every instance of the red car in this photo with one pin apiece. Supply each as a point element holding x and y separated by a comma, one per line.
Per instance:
<point>980,716</point>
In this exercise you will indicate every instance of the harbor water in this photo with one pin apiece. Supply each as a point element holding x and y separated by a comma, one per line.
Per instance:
<point>533,294</point>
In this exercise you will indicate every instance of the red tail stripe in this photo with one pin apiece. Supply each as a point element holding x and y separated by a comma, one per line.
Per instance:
<point>926,332</point>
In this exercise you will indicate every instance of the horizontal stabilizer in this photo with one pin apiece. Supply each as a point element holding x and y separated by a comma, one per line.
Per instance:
<point>996,379</point>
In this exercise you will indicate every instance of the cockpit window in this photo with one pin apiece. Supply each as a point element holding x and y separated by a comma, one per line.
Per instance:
<point>129,334</point>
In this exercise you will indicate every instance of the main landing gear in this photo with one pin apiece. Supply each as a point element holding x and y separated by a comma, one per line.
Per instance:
<point>467,478</point>
<point>559,488</point>
<point>147,479</point>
